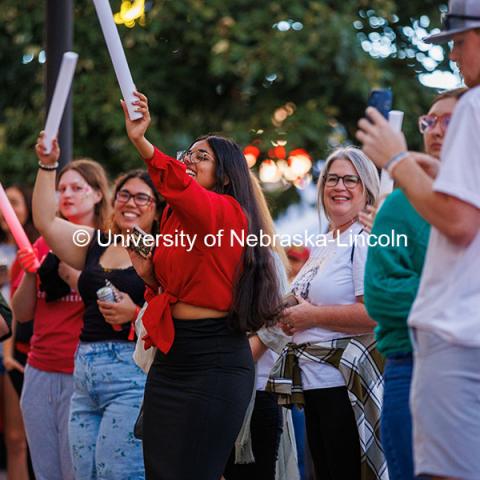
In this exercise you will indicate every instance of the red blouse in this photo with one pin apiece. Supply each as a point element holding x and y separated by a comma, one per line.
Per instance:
<point>203,276</point>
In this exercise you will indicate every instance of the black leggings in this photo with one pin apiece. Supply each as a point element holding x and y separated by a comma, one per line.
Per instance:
<point>266,429</point>
<point>332,434</point>
<point>16,377</point>
<point>196,397</point>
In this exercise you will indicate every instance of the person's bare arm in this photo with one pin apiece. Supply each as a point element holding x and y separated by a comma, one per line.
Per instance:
<point>3,326</point>
<point>69,275</point>
<point>136,129</point>
<point>58,233</point>
<point>456,219</point>
<point>24,299</point>
<point>257,346</point>
<point>339,318</point>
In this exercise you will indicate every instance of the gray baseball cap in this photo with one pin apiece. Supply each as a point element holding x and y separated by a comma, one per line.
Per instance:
<point>462,15</point>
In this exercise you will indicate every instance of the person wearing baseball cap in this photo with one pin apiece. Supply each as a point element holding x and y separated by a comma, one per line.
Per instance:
<point>463,15</point>
<point>445,396</point>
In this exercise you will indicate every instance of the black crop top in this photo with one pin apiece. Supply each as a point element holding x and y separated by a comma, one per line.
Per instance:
<point>92,278</point>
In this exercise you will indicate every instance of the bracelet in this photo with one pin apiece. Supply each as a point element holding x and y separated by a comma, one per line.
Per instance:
<point>131,333</point>
<point>394,161</point>
<point>48,168</point>
<point>137,311</point>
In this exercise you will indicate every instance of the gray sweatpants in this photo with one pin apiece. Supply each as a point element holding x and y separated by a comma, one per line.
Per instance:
<point>45,407</point>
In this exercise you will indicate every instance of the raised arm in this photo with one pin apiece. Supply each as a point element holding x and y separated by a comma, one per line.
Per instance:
<point>24,299</point>
<point>200,210</point>
<point>58,233</point>
<point>457,218</point>
<point>339,318</point>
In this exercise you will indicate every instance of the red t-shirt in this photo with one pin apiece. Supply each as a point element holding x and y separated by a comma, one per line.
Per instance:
<point>56,327</point>
<point>205,275</point>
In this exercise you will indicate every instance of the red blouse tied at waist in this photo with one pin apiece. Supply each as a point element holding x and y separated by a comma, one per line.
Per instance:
<point>200,271</point>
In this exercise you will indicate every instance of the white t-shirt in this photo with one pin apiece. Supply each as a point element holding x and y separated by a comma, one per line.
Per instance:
<point>329,278</point>
<point>448,300</point>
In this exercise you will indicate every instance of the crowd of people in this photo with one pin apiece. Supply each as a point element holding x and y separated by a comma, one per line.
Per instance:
<point>222,360</point>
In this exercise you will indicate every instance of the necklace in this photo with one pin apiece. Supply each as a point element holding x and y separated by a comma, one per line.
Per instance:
<point>346,224</point>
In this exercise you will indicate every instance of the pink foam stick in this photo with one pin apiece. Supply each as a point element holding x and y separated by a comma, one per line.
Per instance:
<point>13,222</point>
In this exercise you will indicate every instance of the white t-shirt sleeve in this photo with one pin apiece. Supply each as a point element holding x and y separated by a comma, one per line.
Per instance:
<point>460,166</point>
<point>359,260</point>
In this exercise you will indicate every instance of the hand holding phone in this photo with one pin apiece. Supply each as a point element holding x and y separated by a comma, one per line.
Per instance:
<point>382,100</point>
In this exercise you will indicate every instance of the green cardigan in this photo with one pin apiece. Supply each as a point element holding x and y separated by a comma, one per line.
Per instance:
<point>392,273</point>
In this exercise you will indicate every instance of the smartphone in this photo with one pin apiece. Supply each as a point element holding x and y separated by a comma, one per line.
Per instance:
<point>382,100</point>
<point>289,300</point>
<point>137,242</point>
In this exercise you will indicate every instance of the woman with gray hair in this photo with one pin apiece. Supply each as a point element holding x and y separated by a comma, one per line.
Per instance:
<point>331,332</point>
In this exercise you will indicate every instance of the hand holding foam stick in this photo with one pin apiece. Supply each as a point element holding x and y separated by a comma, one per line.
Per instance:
<point>395,119</point>
<point>117,54</point>
<point>15,226</point>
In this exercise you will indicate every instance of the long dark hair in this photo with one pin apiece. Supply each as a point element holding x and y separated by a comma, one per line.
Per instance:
<point>256,298</point>
<point>145,178</point>
<point>28,226</point>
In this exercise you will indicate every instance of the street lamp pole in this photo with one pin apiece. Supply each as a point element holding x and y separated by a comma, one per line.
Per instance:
<point>59,39</point>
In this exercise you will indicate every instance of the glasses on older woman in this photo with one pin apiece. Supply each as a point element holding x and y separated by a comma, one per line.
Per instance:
<point>350,181</point>
<point>427,123</point>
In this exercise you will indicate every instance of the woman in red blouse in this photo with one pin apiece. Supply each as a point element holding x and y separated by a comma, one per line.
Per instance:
<point>204,295</point>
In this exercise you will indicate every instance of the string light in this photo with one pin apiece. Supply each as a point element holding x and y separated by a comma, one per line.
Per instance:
<point>129,12</point>
<point>293,167</point>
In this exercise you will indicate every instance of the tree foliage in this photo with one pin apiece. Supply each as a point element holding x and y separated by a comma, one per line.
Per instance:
<point>216,65</point>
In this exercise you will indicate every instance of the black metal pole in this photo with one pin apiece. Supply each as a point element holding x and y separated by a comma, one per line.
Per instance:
<point>59,39</point>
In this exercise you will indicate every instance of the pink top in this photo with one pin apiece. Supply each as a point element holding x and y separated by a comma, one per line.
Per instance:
<point>56,327</point>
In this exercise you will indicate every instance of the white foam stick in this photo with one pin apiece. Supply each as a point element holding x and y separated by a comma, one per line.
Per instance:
<point>395,119</point>
<point>59,99</point>
<point>117,54</point>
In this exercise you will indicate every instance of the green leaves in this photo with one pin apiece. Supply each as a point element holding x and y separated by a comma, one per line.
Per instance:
<point>223,66</point>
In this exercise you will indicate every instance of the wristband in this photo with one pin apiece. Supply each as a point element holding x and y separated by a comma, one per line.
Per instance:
<point>48,168</point>
<point>131,333</point>
<point>389,166</point>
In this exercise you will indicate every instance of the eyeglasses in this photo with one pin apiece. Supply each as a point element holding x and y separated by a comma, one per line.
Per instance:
<point>193,156</point>
<point>427,123</point>
<point>140,199</point>
<point>451,21</point>
<point>349,181</point>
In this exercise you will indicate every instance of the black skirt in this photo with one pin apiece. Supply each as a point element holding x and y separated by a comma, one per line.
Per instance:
<point>195,401</point>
